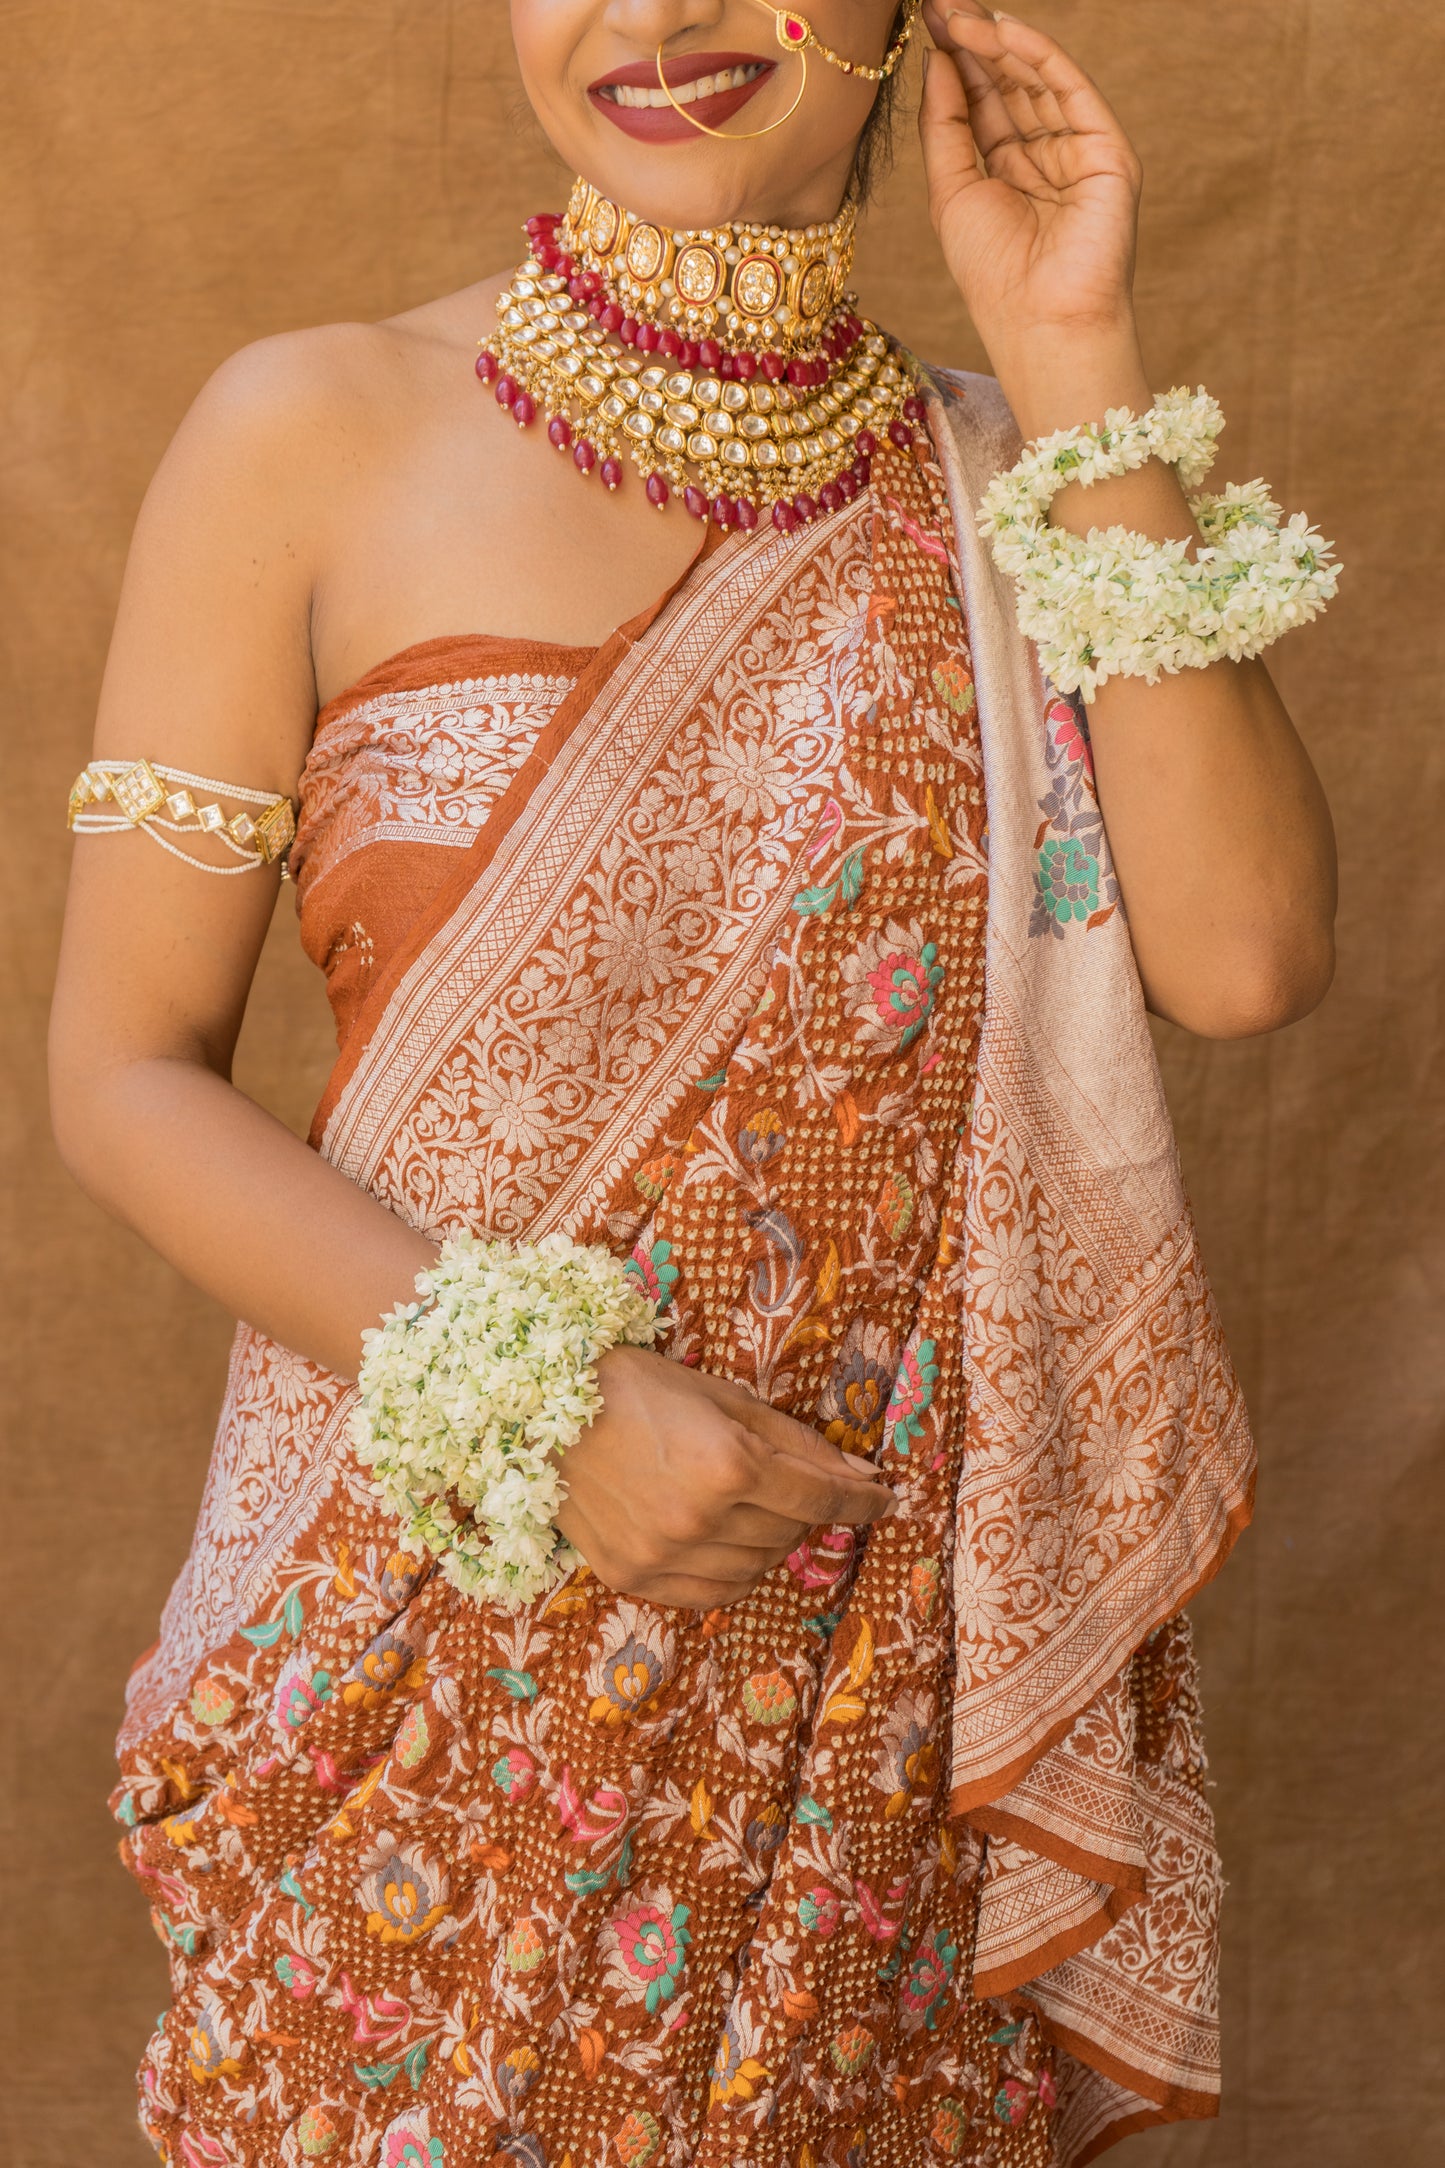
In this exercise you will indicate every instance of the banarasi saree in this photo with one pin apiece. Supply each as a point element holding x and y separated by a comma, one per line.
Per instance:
<point>774,943</point>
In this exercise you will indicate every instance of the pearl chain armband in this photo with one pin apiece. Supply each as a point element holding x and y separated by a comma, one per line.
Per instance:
<point>136,791</point>
<point>1113,603</point>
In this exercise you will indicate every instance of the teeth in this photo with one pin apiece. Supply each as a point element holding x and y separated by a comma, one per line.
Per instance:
<point>703,86</point>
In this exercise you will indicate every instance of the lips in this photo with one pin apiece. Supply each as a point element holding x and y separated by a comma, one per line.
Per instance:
<point>659,123</point>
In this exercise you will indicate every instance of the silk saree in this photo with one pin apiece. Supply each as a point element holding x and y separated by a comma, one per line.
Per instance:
<point>774,943</point>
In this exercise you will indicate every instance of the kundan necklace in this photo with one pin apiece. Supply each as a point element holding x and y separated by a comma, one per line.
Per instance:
<point>726,362</point>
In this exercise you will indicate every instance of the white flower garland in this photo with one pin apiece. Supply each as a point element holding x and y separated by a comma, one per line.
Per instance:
<point>1112,603</point>
<point>466,1394</point>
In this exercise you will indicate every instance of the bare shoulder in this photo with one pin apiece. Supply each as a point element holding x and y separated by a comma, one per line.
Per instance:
<point>294,409</point>
<point>279,457</point>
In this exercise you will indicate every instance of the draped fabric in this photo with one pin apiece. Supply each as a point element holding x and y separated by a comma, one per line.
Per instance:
<point>774,943</point>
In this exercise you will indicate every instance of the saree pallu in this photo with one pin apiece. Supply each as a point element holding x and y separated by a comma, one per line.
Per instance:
<point>777,947</point>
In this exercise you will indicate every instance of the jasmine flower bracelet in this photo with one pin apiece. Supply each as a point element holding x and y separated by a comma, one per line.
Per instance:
<point>465,1396</point>
<point>1112,603</point>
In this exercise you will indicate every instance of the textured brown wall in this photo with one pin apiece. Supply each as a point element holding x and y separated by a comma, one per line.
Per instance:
<point>175,181</point>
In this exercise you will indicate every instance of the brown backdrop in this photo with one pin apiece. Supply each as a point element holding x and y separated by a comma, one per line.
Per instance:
<point>177,180</point>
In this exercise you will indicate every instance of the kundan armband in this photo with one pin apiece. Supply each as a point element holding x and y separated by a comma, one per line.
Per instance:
<point>1113,603</point>
<point>467,1396</point>
<point>135,792</point>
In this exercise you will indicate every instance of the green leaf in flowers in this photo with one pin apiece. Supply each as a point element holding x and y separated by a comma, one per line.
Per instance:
<point>519,1684</point>
<point>850,877</point>
<point>377,2075</point>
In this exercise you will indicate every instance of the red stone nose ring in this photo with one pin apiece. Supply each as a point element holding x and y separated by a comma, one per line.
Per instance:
<point>796,35</point>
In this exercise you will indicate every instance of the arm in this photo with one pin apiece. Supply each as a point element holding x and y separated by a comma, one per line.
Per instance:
<point>1218,826</point>
<point>687,1489</point>
<point>210,669</point>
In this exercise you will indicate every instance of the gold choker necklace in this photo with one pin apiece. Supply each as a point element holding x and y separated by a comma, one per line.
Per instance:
<point>727,362</point>
<point>764,288</point>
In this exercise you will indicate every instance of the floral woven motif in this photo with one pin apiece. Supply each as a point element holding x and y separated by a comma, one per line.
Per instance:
<point>602,1882</point>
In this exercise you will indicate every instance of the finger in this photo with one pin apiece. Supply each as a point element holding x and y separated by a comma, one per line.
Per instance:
<point>785,1434</point>
<point>946,130</point>
<point>729,1564</point>
<point>988,116</point>
<point>1009,100</point>
<point>985,47</point>
<point>760,1530</point>
<point>1082,104</point>
<point>806,1493</point>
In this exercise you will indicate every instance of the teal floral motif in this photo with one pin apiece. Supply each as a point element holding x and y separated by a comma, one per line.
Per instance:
<point>1074,881</point>
<point>300,1692</point>
<point>912,1396</point>
<point>1068,880</point>
<point>926,1985</point>
<point>646,1948</point>
<point>408,2143</point>
<point>650,1266</point>
<point>813,902</point>
<point>891,984</point>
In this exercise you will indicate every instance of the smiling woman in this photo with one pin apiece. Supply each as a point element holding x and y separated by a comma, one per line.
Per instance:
<point>820,1782</point>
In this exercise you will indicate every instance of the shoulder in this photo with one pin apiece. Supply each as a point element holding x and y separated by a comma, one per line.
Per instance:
<point>288,417</point>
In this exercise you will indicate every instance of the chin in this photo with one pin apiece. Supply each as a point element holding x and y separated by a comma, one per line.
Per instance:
<point>691,186</point>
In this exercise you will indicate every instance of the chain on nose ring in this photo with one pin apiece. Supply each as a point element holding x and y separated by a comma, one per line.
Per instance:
<point>796,35</point>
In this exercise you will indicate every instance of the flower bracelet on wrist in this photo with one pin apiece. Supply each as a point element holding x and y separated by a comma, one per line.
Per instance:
<point>467,1395</point>
<point>1113,603</point>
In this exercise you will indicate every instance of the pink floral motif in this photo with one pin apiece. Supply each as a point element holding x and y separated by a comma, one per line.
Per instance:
<point>645,1947</point>
<point>823,1561</point>
<point>301,1690</point>
<point>892,982</point>
<point>297,1974</point>
<point>820,1911</point>
<point>1069,735</point>
<point>514,1772</point>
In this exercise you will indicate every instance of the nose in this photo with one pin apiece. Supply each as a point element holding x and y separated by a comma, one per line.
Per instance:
<point>650,23</point>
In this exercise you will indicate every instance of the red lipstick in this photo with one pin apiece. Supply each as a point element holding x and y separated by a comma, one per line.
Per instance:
<point>660,123</point>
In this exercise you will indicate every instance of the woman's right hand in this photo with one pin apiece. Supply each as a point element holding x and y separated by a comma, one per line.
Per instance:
<point>687,1489</point>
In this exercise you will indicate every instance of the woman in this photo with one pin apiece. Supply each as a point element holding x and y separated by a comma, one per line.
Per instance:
<point>734,895</point>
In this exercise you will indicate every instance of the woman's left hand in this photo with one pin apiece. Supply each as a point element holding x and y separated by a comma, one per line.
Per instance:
<point>1042,239</point>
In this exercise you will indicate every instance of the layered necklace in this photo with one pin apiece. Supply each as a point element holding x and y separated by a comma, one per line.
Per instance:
<point>727,363</point>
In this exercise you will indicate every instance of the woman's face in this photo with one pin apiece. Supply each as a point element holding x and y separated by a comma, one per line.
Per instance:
<point>590,70</point>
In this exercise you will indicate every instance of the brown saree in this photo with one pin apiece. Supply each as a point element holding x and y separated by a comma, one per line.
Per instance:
<point>772,942</point>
